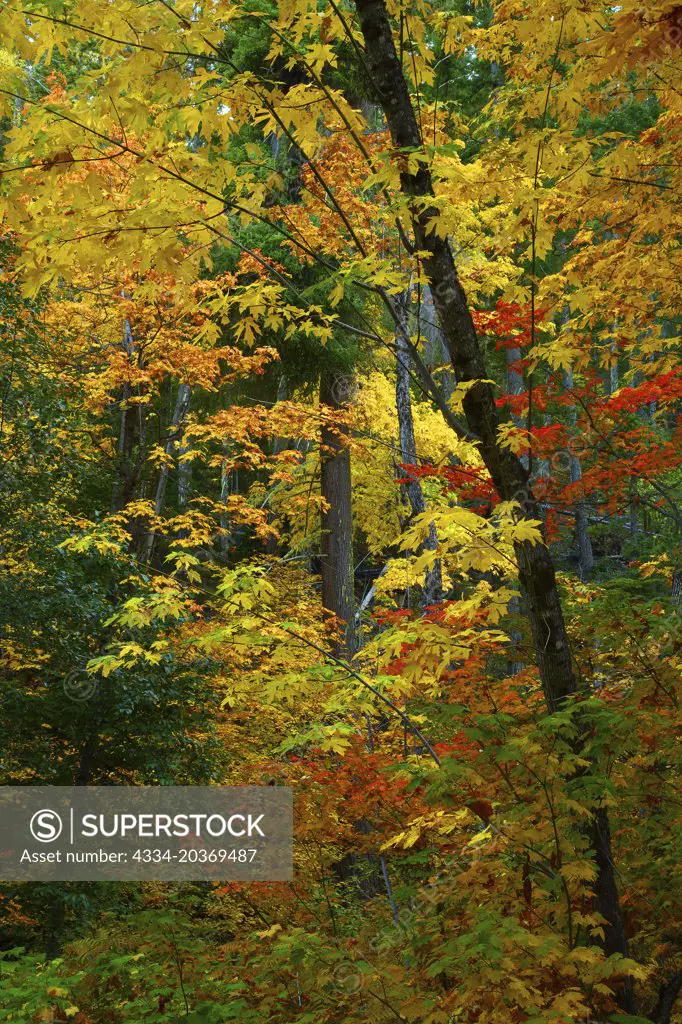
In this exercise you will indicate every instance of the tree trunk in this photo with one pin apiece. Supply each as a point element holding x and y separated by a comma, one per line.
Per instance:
<point>336,547</point>
<point>184,478</point>
<point>132,433</point>
<point>435,349</point>
<point>224,494</point>
<point>175,431</point>
<point>667,997</point>
<point>280,445</point>
<point>125,484</point>
<point>509,476</point>
<point>433,583</point>
<point>613,370</point>
<point>515,386</point>
<point>608,903</point>
<point>676,586</point>
<point>582,533</point>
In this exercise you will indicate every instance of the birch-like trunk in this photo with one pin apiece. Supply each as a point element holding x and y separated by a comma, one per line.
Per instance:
<point>582,533</point>
<point>175,433</point>
<point>125,481</point>
<point>433,582</point>
<point>280,444</point>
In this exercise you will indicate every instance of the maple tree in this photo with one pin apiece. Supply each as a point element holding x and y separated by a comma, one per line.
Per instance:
<point>340,444</point>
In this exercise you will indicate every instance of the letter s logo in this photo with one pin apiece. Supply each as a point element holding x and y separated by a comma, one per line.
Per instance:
<point>46,826</point>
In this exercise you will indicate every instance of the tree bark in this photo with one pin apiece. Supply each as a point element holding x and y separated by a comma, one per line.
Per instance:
<point>509,476</point>
<point>336,547</point>
<point>184,477</point>
<point>280,445</point>
<point>435,350</point>
<point>433,582</point>
<point>667,997</point>
<point>125,485</point>
<point>515,386</point>
<point>132,433</point>
<point>608,903</point>
<point>175,432</point>
<point>582,533</point>
<point>676,585</point>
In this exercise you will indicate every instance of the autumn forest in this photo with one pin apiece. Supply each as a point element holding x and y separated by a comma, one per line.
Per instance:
<point>341,450</point>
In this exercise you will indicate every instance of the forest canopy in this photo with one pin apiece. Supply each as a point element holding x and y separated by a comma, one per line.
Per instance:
<point>341,450</point>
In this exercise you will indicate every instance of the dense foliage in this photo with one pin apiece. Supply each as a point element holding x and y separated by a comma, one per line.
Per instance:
<point>341,449</point>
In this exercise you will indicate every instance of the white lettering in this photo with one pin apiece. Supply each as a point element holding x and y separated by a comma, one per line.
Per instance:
<point>179,822</point>
<point>233,831</point>
<point>253,825</point>
<point>89,822</point>
<point>165,827</point>
<point>145,825</point>
<point>219,818</point>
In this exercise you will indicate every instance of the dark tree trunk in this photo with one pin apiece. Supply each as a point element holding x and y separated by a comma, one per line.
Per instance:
<point>86,761</point>
<point>506,469</point>
<point>336,547</point>
<point>57,925</point>
<point>509,476</point>
<point>667,997</point>
<point>608,903</point>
